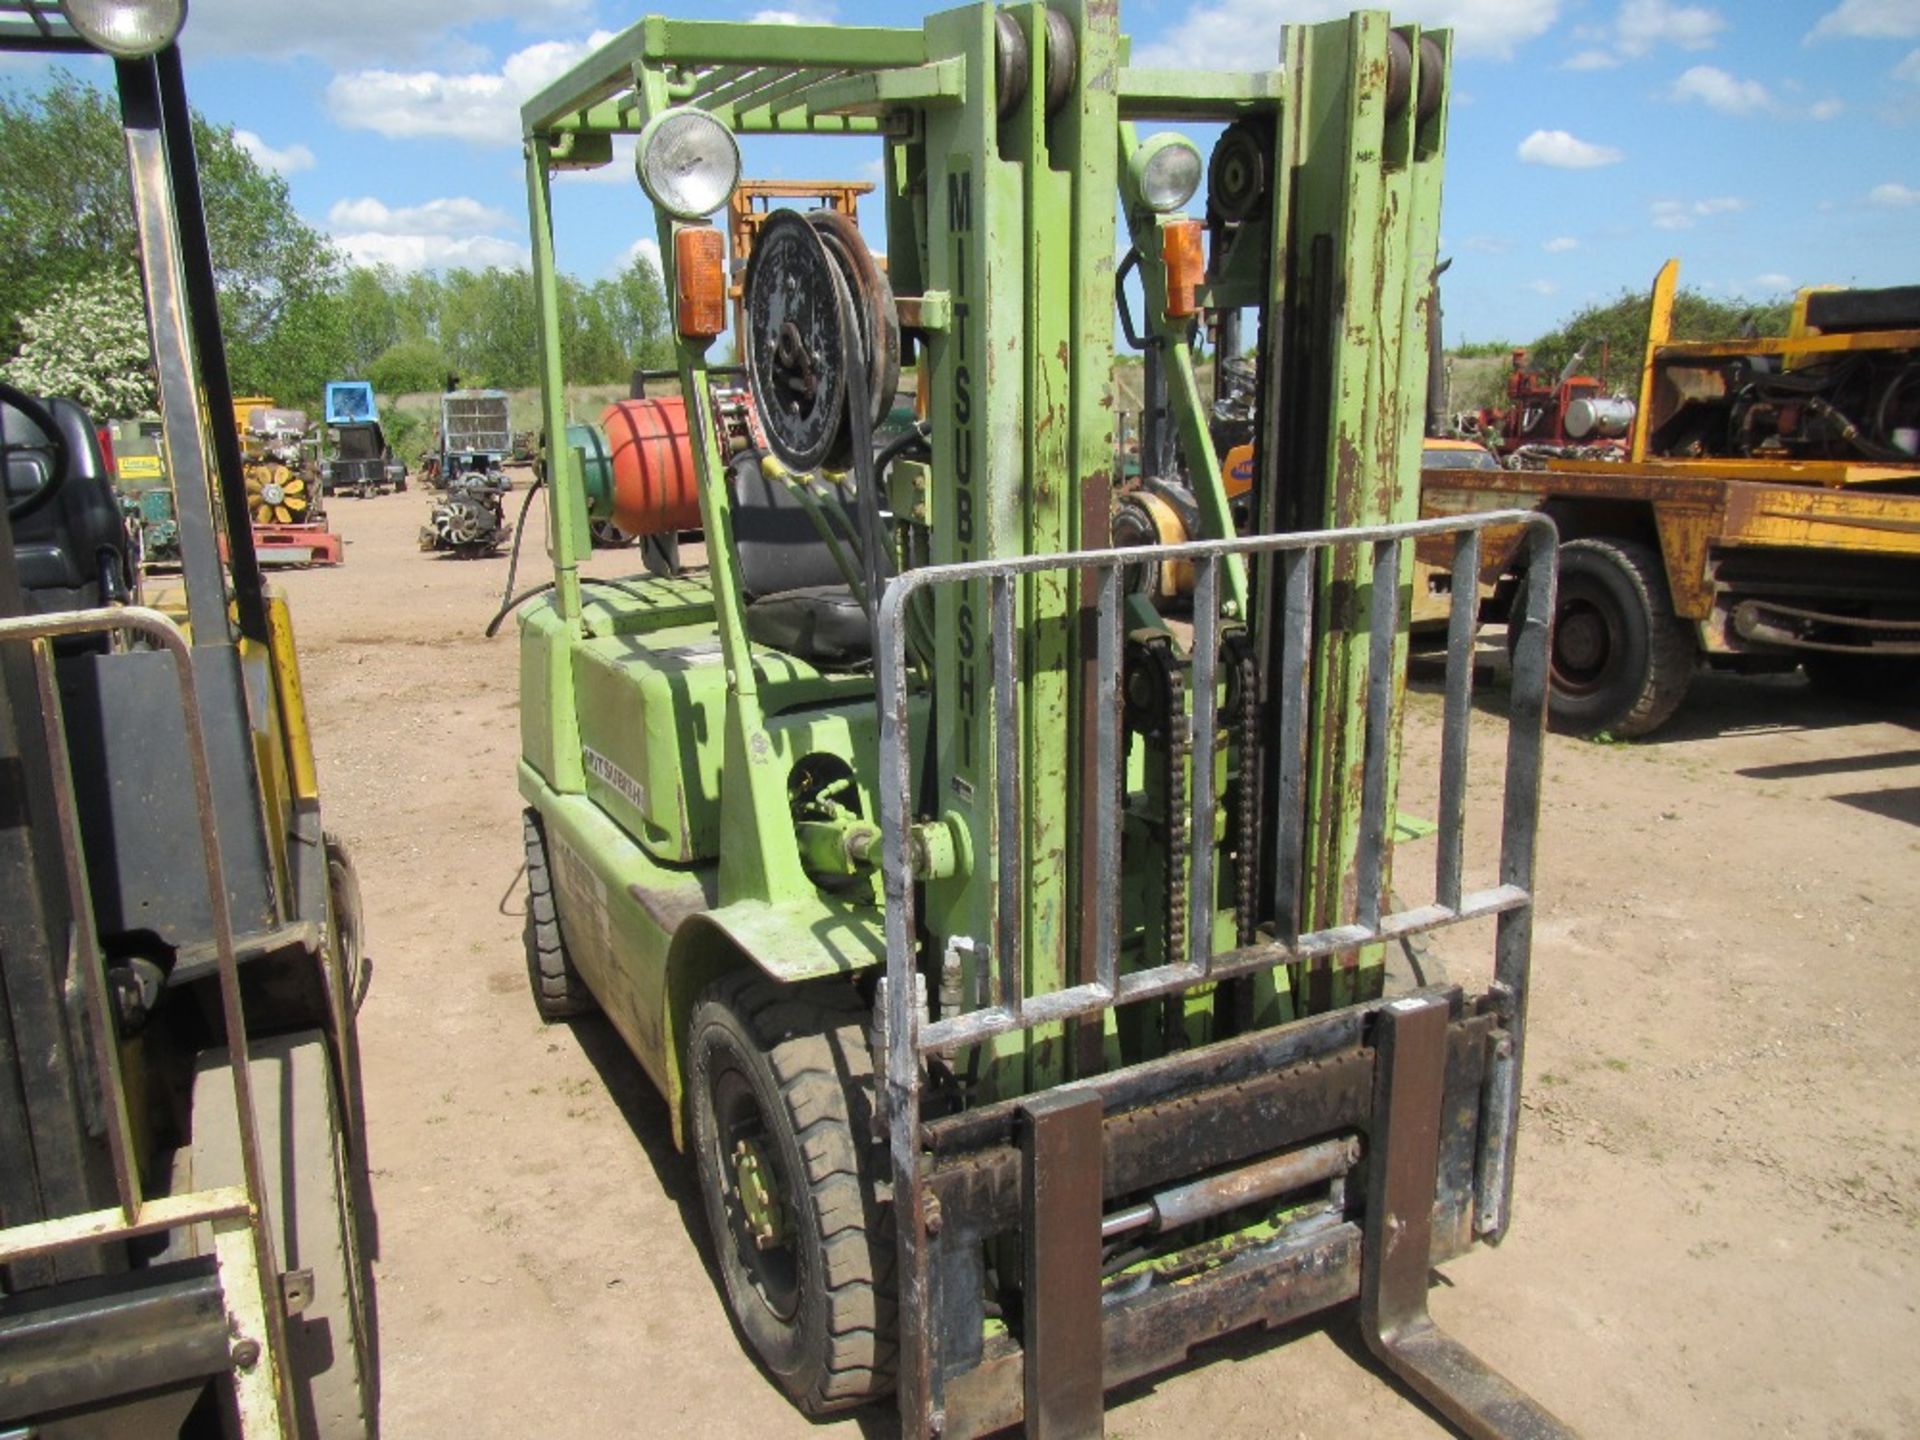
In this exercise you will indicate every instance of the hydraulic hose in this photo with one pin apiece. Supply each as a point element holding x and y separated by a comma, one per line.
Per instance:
<point>510,602</point>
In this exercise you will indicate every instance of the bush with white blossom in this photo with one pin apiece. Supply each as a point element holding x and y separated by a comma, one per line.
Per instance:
<point>89,343</point>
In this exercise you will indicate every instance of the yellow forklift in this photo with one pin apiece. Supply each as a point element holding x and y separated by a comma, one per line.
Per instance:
<point>185,1226</point>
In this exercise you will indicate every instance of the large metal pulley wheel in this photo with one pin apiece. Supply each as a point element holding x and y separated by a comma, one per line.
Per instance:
<point>1013,61</point>
<point>1400,80</point>
<point>1237,173</point>
<point>817,304</point>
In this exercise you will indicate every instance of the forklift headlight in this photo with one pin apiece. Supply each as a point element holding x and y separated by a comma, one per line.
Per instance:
<point>127,29</point>
<point>1166,171</point>
<point>688,162</point>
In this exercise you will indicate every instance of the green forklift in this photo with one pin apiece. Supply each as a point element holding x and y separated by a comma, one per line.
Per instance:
<point>186,1231</point>
<point>1010,938</point>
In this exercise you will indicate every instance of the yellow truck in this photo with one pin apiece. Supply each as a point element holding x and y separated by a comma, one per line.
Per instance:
<point>1766,515</point>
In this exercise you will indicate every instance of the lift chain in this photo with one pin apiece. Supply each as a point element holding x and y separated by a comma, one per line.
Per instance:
<point>1245,714</point>
<point>1156,709</point>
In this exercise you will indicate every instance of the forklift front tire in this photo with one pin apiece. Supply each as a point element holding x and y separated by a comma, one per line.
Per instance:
<point>558,991</point>
<point>780,1086</point>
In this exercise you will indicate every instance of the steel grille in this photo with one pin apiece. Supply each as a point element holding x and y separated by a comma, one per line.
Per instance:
<point>1008,1006</point>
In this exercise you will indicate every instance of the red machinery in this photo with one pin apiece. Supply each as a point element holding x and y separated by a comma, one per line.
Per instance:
<point>1570,417</point>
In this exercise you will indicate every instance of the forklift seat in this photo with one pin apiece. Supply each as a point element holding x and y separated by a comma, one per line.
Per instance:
<point>797,599</point>
<point>72,552</point>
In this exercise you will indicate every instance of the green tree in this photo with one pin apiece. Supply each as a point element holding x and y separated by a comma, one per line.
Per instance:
<point>370,316</point>
<point>409,368</point>
<point>488,328</point>
<point>1620,326</point>
<point>65,209</point>
<point>636,301</point>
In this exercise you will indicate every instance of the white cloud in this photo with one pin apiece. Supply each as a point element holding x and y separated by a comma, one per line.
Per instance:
<point>457,215</point>
<point>289,161</point>
<point>1869,20</point>
<point>434,252</point>
<point>1560,244</point>
<point>1542,287</point>
<point>1718,90</point>
<point>1592,60</point>
<point>1683,214</point>
<point>452,231</point>
<point>1824,109</point>
<point>480,107</point>
<point>1774,282</point>
<point>1240,34</point>
<point>1893,194</point>
<point>788,17</point>
<point>1643,24</point>
<point>1909,68</point>
<point>1562,151</point>
<point>645,246</point>
<point>348,31</point>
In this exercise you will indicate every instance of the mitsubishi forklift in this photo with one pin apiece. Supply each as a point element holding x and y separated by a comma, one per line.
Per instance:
<point>1009,934</point>
<point>185,1226</point>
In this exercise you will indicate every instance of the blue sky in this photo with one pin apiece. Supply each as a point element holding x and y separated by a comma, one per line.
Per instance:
<point>1767,143</point>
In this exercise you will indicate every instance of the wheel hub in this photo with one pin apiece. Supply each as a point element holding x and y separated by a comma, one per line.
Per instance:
<point>1582,646</point>
<point>766,1217</point>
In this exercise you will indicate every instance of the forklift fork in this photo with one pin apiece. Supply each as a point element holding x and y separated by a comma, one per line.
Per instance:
<point>1409,1081</point>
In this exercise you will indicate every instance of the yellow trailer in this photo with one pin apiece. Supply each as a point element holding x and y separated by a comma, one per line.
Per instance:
<point>1767,515</point>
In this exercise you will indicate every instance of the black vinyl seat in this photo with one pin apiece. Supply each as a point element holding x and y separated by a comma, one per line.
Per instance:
<point>797,599</point>
<point>71,552</point>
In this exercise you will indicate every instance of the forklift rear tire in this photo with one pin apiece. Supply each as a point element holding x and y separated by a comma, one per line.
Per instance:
<point>1621,659</point>
<point>558,991</point>
<point>780,1088</point>
<point>320,1224</point>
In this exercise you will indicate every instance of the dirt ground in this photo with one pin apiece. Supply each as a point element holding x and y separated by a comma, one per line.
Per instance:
<point>1719,1178</point>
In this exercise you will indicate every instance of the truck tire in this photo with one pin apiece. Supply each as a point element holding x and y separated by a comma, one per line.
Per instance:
<point>780,1088</point>
<point>1621,660</point>
<point>558,991</point>
<point>321,1223</point>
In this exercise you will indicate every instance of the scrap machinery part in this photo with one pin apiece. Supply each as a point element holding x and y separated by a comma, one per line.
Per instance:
<point>284,491</point>
<point>357,460</point>
<point>1015,832</point>
<point>278,495</point>
<point>469,518</point>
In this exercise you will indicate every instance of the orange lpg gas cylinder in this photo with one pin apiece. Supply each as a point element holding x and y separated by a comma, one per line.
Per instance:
<point>654,491</point>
